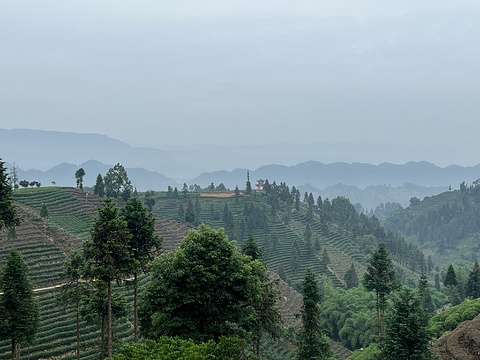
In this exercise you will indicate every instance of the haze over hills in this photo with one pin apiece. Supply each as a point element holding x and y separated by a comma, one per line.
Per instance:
<point>48,156</point>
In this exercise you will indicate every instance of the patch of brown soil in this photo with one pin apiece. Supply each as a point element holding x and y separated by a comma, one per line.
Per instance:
<point>171,231</point>
<point>218,195</point>
<point>463,343</point>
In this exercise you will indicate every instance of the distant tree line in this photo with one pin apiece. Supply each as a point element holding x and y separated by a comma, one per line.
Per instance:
<point>25,183</point>
<point>115,184</point>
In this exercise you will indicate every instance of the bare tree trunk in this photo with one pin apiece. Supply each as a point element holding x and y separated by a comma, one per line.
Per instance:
<point>135,309</point>
<point>102,354</point>
<point>18,351</point>
<point>110,340</point>
<point>13,349</point>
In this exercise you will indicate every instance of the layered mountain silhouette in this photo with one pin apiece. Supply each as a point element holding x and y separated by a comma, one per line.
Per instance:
<point>47,156</point>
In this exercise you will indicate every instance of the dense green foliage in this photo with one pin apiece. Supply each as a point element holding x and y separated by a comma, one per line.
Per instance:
<point>117,184</point>
<point>452,317</point>
<point>383,211</point>
<point>8,211</point>
<point>312,343</point>
<point>202,291</point>
<point>267,317</point>
<point>406,334</point>
<point>349,316</point>
<point>446,222</point>
<point>351,277</point>
<point>19,314</point>
<point>275,222</point>
<point>380,277</point>
<point>99,187</point>
<point>473,284</point>
<point>170,348</point>
<point>143,244</point>
<point>451,277</point>
<point>371,352</point>
<point>107,255</point>
<point>425,294</point>
<point>251,248</point>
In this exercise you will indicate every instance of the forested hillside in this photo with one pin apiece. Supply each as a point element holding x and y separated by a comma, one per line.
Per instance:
<point>446,226</point>
<point>295,230</point>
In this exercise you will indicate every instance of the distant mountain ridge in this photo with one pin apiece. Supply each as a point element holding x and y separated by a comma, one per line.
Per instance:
<point>55,156</point>
<point>360,175</point>
<point>64,175</point>
<point>36,149</point>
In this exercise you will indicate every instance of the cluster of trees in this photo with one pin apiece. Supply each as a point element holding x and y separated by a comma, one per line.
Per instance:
<point>174,193</point>
<point>403,331</point>
<point>254,218</point>
<point>190,215</point>
<point>458,286</point>
<point>383,211</point>
<point>211,188</point>
<point>13,179</point>
<point>204,291</point>
<point>445,225</point>
<point>207,289</point>
<point>8,212</point>
<point>349,316</point>
<point>121,245</point>
<point>115,184</point>
<point>26,183</point>
<point>367,231</point>
<point>222,298</point>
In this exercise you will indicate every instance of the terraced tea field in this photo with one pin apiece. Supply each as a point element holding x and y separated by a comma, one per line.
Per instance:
<point>45,242</point>
<point>337,242</point>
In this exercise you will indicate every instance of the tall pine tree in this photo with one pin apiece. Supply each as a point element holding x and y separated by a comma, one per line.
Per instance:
<point>19,314</point>
<point>8,211</point>
<point>144,245</point>
<point>107,254</point>
<point>351,278</point>
<point>406,335</point>
<point>99,187</point>
<point>313,343</point>
<point>248,185</point>
<point>473,284</point>
<point>380,277</point>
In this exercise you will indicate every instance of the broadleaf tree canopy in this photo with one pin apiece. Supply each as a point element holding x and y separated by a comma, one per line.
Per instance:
<point>202,291</point>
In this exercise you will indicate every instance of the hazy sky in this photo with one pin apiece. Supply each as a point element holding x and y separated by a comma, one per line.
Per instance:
<point>160,73</point>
